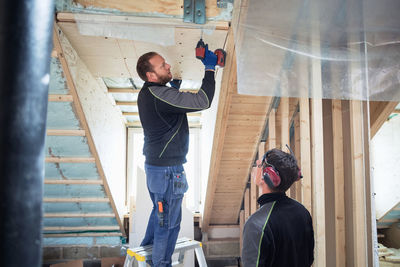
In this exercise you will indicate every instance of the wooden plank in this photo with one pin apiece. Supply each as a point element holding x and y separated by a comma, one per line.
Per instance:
<point>60,98</point>
<point>253,191</point>
<point>227,88</point>
<point>338,177</point>
<point>299,187</point>
<point>318,183</point>
<point>247,204</point>
<point>79,215</point>
<point>305,155</point>
<point>90,199</point>
<point>358,185</point>
<point>126,103</point>
<point>122,90</point>
<point>241,223</point>
<point>55,132</point>
<point>81,234</point>
<point>162,7</point>
<point>69,160</point>
<point>379,113</point>
<point>54,54</point>
<point>81,228</point>
<point>271,130</point>
<point>85,126</point>
<point>192,114</point>
<point>137,124</point>
<point>389,220</point>
<point>284,121</point>
<point>47,181</point>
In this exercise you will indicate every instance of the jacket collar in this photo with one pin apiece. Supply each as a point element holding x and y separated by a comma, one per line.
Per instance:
<point>271,197</point>
<point>148,84</point>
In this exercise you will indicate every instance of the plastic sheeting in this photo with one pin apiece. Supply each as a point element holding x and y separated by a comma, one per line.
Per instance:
<point>337,49</point>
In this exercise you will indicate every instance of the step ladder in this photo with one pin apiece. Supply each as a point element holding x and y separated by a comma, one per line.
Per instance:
<point>141,254</point>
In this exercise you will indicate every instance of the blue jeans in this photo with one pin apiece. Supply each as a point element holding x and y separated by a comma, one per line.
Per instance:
<point>166,185</point>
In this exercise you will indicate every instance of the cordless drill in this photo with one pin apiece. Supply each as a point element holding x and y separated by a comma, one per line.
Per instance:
<point>201,50</point>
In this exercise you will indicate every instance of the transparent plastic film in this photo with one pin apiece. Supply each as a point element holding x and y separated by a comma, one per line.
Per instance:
<point>338,49</point>
<point>146,29</point>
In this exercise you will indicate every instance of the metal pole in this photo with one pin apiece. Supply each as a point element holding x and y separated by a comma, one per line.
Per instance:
<point>25,45</point>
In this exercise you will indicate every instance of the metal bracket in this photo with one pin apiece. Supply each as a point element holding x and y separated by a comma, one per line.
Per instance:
<point>223,3</point>
<point>194,11</point>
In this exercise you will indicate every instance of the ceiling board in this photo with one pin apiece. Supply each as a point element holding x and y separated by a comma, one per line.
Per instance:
<point>112,57</point>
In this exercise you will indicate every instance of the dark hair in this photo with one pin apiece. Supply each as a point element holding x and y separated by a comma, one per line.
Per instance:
<point>286,165</point>
<point>143,65</point>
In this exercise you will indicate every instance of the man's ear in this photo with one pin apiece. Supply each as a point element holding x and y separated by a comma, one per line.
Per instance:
<point>150,76</point>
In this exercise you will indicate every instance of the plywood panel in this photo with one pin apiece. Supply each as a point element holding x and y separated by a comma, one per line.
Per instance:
<point>112,57</point>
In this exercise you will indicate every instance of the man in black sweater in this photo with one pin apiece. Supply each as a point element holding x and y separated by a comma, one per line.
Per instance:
<point>162,111</point>
<point>280,233</point>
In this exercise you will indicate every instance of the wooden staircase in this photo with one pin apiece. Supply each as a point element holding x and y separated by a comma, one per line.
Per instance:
<point>78,206</point>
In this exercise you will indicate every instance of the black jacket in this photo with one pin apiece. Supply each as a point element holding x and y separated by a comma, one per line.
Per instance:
<point>279,234</point>
<point>162,112</point>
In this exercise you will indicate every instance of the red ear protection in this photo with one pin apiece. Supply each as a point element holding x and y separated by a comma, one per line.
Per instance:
<point>270,174</point>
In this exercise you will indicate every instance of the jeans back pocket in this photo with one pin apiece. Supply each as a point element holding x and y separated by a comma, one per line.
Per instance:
<point>179,183</point>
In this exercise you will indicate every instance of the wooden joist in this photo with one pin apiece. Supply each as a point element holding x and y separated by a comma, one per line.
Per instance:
<point>69,160</point>
<point>126,103</point>
<point>94,234</point>
<point>162,7</point>
<point>379,113</point>
<point>338,179</point>
<point>137,124</point>
<point>56,132</point>
<point>60,98</point>
<point>79,215</point>
<point>192,114</point>
<point>81,228</point>
<point>47,181</point>
<point>123,90</point>
<point>77,199</point>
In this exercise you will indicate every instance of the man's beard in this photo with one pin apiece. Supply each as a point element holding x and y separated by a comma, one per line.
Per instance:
<point>164,79</point>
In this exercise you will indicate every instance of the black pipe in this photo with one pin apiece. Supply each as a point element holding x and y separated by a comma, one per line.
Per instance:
<point>25,47</point>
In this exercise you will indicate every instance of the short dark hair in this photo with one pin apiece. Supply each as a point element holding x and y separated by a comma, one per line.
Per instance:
<point>286,165</point>
<point>143,65</point>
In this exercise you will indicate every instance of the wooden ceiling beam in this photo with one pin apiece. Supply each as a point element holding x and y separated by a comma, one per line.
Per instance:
<point>170,22</point>
<point>162,7</point>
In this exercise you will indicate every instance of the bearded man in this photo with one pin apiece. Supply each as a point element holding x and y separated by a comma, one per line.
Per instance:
<point>162,111</point>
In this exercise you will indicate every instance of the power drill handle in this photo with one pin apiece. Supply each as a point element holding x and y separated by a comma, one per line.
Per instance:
<point>200,49</point>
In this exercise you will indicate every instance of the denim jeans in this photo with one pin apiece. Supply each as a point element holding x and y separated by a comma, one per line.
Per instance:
<point>166,185</point>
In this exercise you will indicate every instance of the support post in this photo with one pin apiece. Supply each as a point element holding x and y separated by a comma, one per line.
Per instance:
<point>25,53</point>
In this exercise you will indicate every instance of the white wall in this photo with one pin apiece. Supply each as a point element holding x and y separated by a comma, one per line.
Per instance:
<point>385,157</point>
<point>105,124</point>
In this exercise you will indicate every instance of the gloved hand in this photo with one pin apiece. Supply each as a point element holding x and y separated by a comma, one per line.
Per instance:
<point>209,60</point>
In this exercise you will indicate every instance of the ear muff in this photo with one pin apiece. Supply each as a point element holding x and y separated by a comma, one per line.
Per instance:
<point>271,176</point>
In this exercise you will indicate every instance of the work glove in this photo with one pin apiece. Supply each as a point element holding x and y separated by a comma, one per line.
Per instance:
<point>209,60</point>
